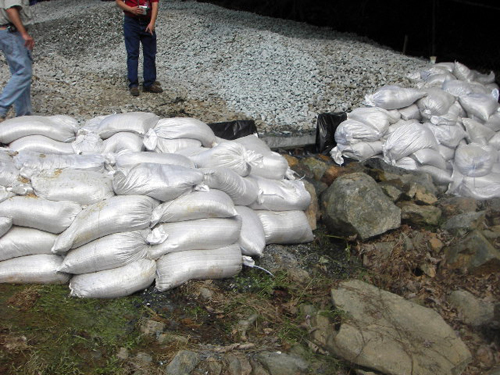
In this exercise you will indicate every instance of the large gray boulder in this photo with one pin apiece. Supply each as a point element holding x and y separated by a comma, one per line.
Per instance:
<point>355,205</point>
<point>384,332</point>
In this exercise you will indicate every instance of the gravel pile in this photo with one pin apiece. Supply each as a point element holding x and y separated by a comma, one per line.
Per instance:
<point>214,64</point>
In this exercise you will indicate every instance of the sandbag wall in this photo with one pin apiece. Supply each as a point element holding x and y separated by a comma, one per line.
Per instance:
<point>448,125</point>
<point>128,200</point>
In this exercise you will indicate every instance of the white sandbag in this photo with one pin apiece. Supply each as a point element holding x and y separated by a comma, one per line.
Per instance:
<point>196,205</point>
<point>39,213</point>
<point>123,141</point>
<point>480,105</point>
<point>242,190</point>
<point>463,73</point>
<point>202,234</point>
<point>493,122</point>
<point>376,117</point>
<point>405,140</point>
<point>21,241</point>
<point>41,144</point>
<point>30,163</point>
<point>59,127</point>
<point>87,142</point>
<point>9,173</point>
<point>135,122</point>
<point>481,188</point>
<point>5,225</point>
<point>230,155</point>
<point>361,150</point>
<point>33,269</point>
<point>178,268</point>
<point>393,97</point>
<point>446,152</point>
<point>252,239</point>
<point>430,157</point>
<point>411,112</point>
<point>161,145</point>
<point>436,103</point>
<point>477,132</point>
<point>113,251</point>
<point>287,227</point>
<point>439,176</point>
<point>475,160</point>
<point>117,282</point>
<point>113,215</point>
<point>127,160</point>
<point>451,117</point>
<point>273,165</point>
<point>351,131</point>
<point>6,193</point>
<point>407,163</point>
<point>495,141</point>
<point>460,88</point>
<point>437,80</point>
<point>74,185</point>
<point>281,195</point>
<point>185,127</point>
<point>447,135</point>
<point>160,181</point>
<point>484,78</point>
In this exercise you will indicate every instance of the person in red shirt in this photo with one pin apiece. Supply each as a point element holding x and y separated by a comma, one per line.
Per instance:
<point>139,28</point>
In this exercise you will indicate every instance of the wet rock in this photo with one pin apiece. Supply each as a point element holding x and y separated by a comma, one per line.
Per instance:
<point>462,223</point>
<point>474,254</point>
<point>277,363</point>
<point>384,332</point>
<point>471,309</point>
<point>452,206</point>
<point>418,215</point>
<point>183,363</point>
<point>355,205</point>
<point>316,166</point>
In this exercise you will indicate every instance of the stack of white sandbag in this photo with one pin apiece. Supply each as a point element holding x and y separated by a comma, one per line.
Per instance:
<point>128,200</point>
<point>447,126</point>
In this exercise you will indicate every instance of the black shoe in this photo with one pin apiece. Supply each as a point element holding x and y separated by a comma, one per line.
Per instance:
<point>134,91</point>
<point>154,88</point>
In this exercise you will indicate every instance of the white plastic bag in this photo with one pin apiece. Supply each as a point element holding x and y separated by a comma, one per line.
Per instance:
<point>436,103</point>
<point>160,181</point>
<point>281,195</point>
<point>74,185</point>
<point>287,227</point>
<point>41,144</point>
<point>480,105</point>
<point>242,190</point>
<point>134,122</point>
<point>252,239</point>
<point>202,234</point>
<point>21,241</point>
<point>59,127</point>
<point>116,282</point>
<point>33,269</point>
<point>352,131</point>
<point>178,268</point>
<point>127,160</point>
<point>407,139</point>
<point>196,205</point>
<point>185,127</point>
<point>123,141</point>
<point>393,97</point>
<point>39,213</point>
<point>113,251</point>
<point>475,160</point>
<point>113,215</point>
<point>5,225</point>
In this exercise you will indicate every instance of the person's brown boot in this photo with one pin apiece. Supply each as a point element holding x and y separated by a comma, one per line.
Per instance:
<point>154,88</point>
<point>134,91</point>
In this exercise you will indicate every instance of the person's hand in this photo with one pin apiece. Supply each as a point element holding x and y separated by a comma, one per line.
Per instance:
<point>151,28</point>
<point>29,42</point>
<point>136,10</point>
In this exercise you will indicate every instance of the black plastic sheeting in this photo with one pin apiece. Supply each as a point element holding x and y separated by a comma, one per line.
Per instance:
<point>326,125</point>
<point>233,129</point>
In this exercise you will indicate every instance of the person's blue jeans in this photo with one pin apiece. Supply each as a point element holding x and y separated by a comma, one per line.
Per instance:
<point>17,92</point>
<point>134,30</point>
